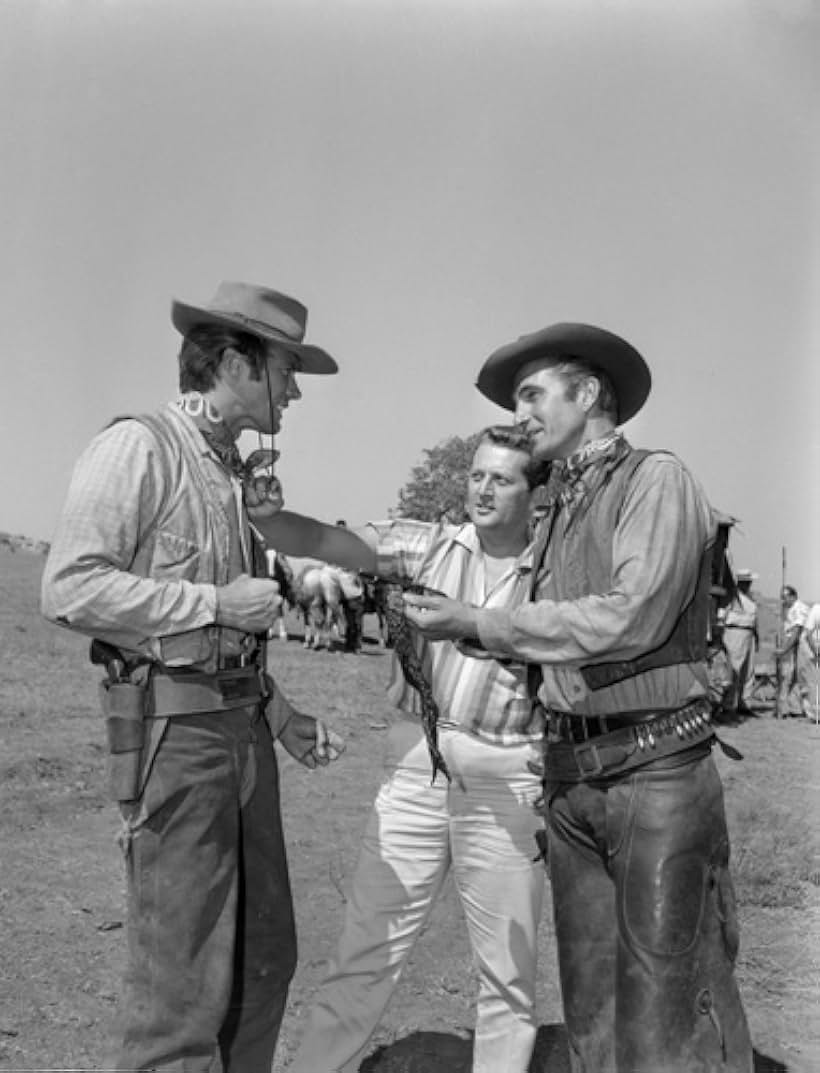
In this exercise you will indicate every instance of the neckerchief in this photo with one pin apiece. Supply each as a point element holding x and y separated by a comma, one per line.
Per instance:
<point>214,431</point>
<point>224,447</point>
<point>569,482</point>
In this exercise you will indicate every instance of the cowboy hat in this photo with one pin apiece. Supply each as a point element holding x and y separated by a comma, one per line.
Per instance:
<point>268,315</point>
<point>745,575</point>
<point>621,362</point>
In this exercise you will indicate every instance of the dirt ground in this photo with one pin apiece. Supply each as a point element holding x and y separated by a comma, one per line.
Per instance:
<point>61,885</point>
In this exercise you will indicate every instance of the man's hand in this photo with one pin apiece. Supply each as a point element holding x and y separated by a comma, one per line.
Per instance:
<point>262,491</point>
<point>310,742</point>
<point>439,618</point>
<point>263,497</point>
<point>248,603</point>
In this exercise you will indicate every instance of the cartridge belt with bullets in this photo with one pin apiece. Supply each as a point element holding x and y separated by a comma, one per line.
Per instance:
<point>581,748</point>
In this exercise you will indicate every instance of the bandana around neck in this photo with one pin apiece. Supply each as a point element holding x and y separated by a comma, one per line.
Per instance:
<point>585,456</point>
<point>566,485</point>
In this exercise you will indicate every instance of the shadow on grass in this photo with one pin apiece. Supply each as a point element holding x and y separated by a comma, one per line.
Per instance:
<point>445,1052</point>
<point>765,1064</point>
<point>736,719</point>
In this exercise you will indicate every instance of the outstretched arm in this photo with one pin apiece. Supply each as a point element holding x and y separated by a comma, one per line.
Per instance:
<point>664,524</point>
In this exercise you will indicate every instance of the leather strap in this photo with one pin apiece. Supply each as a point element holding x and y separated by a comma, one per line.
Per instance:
<point>631,747</point>
<point>192,693</point>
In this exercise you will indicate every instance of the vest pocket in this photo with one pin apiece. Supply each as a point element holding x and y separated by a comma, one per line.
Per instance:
<point>174,554</point>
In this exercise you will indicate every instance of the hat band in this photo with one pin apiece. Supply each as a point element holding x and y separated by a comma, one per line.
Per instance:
<point>265,326</point>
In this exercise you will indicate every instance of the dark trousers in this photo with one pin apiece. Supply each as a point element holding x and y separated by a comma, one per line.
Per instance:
<point>354,623</point>
<point>645,923</point>
<point>211,939</point>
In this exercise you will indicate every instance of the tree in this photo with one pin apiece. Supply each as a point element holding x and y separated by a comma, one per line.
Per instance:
<point>439,484</point>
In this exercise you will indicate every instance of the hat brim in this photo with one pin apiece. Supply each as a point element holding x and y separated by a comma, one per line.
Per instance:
<point>627,370</point>
<point>312,359</point>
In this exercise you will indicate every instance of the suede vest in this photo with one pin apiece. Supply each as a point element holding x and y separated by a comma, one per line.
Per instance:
<point>580,565</point>
<point>192,537</point>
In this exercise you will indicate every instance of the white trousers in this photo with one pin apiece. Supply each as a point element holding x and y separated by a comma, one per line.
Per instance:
<point>483,826</point>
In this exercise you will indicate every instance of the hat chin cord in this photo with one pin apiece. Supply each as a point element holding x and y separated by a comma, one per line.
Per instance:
<point>271,413</point>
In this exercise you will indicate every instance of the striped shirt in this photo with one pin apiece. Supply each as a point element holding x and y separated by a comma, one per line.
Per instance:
<point>483,696</point>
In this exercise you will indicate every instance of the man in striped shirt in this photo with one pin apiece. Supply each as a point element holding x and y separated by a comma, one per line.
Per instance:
<point>482,823</point>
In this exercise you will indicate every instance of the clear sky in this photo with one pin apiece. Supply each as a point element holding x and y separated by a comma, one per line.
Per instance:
<point>432,178</point>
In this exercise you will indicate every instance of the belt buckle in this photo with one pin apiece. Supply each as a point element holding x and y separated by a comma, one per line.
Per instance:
<point>587,749</point>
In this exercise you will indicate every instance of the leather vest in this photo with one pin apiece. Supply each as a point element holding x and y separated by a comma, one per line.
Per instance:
<point>193,537</point>
<point>580,564</point>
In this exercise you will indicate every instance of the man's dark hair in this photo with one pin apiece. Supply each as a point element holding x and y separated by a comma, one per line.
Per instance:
<point>514,437</point>
<point>789,590</point>
<point>574,371</point>
<point>202,351</point>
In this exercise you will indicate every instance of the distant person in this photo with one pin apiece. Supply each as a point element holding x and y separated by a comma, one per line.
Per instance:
<point>811,630</point>
<point>811,639</point>
<point>741,639</point>
<point>719,672</point>
<point>155,557</point>
<point>644,912</point>
<point>793,687</point>
<point>481,825</point>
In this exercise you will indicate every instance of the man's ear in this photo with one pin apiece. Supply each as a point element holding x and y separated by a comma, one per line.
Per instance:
<point>231,365</point>
<point>588,395</point>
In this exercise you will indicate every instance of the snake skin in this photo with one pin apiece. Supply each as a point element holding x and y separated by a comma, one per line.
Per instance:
<point>401,633</point>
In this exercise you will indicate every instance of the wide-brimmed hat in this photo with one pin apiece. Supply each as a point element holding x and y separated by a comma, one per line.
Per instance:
<point>745,575</point>
<point>621,362</point>
<point>266,314</point>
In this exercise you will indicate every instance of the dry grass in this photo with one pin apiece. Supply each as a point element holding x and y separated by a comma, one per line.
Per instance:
<point>61,893</point>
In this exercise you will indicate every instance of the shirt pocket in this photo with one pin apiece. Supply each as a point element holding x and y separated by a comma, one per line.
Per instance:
<point>174,556</point>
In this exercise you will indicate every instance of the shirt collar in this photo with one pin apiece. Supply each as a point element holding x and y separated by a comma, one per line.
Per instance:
<point>467,536</point>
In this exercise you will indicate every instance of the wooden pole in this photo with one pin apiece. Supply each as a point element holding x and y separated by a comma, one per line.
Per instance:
<point>783,568</point>
<point>778,666</point>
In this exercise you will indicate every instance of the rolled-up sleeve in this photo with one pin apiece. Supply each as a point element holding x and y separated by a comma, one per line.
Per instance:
<point>115,493</point>
<point>401,545</point>
<point>664,525</point>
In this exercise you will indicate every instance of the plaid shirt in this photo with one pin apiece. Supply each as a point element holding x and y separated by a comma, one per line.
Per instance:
<point>483,696</point>
<point>139,549</point>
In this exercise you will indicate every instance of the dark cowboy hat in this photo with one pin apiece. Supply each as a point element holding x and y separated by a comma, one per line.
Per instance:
<point>268,315</point>
<point>621,362</point>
